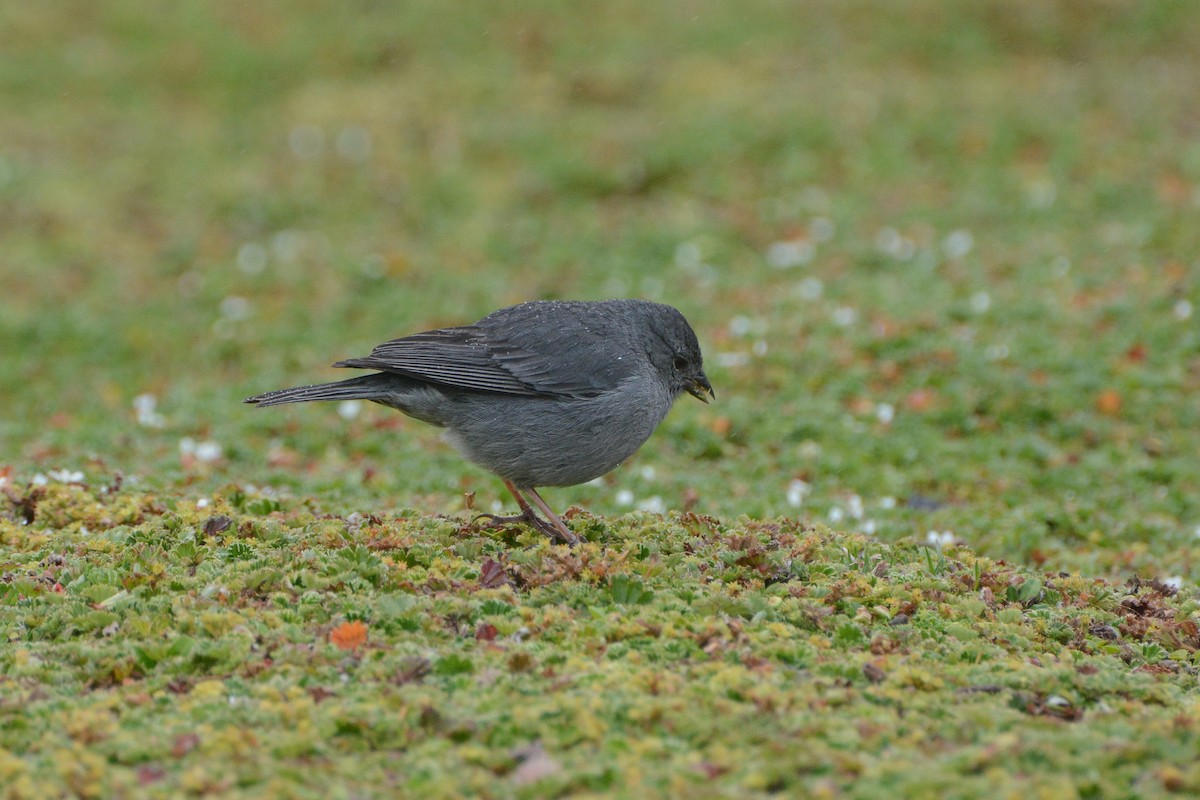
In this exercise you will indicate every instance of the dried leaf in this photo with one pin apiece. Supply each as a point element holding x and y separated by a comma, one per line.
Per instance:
<point>1108,402</point>
<point>920,400</point>
<point>412,670</point>
<point>535,765</point>
<point>873,672</point>
<point>184,744</point>
<point>349,635</point>
<point>25,505</point>
<point>492,574</point>
<point>216,524</point>
<point>150,773</point>
<point>320,694</point>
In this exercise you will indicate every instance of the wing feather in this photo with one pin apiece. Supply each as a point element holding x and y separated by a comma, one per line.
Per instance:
<point>547,348</point>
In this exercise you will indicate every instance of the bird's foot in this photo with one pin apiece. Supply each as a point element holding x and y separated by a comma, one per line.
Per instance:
<point>532,520</point>
<point>495,521</point>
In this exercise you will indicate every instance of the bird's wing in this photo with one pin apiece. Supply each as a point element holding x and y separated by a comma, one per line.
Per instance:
<point>518,350</point>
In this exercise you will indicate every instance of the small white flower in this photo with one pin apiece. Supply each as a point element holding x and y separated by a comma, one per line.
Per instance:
<point>869,527</point>
<point>892,243</point>
<point>202,502</point>
<point>760,348</point>
<point>306,141</point>
<point>252,258</point>
<point>821,229</point>
<point>885,413</point>
<point>687,254</point>
<point>844,316</point>
<point>66,476</point>
<point>208,451</point>
<point>236,308</point>
<point>810,289</point>
<point>40,480</point>
<point>958,243</point>
<point>939,539</point>
<point>887,503</point>
<point>1182,309</point>
<point>739,326</point>
<point>288,245</point>
<point>854,506</point>
<point>888,240</point>
<point>836,514</point>
<point>981,302</point>
<point>374,266</point>
<point>996,352</point>
<point>1174,581</point>
<point>653,505</point>
<point>648,473</point>
<point>790,253</point>
<point>353,143</point>
<point>624,497</point>
<point>797,490</point>
<point>144,406</point>
<point>730,360</point>
<point>349,409</point>
<point>1041,193</point>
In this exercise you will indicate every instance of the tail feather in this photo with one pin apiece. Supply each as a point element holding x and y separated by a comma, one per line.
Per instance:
<point>364,387</point>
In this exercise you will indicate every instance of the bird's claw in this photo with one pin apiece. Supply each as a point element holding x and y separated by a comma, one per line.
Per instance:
<point>495,521</point>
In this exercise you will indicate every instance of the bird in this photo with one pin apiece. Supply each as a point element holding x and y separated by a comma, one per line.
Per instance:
<point>543,393</point>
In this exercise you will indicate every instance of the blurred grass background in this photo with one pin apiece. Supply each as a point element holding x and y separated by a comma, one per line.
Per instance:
<point>942,257</point>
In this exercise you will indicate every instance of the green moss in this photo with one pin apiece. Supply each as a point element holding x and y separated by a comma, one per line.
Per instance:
<point>840,681</point>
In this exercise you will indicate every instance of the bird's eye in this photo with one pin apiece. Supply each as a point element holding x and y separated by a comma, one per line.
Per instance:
<point>680,363</point>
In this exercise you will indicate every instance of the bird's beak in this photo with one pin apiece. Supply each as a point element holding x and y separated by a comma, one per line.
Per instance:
<point>698,385</point>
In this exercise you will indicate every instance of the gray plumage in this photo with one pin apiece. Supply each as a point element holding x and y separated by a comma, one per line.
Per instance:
<point>547,393</point>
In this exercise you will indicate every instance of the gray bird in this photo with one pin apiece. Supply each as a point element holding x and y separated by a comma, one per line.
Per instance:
<point>547,393</point>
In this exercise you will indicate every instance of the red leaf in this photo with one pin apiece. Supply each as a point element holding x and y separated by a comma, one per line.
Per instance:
<point>492,574</point>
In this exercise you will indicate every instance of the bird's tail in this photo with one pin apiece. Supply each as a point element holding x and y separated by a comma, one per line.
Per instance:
<point>364,387</point>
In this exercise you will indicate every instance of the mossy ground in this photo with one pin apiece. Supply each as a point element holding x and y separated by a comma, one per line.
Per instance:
<point>942,258</point>
<point>247,650</point>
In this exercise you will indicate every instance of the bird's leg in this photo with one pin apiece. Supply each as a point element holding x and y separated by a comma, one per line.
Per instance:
<point>555,530</point>
<point>526,514</point>
<point>564,533</point>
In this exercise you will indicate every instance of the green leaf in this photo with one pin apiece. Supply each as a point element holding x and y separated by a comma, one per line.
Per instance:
<point>453,664</point>
<point>1024,593</point>
<point>628,591</point>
